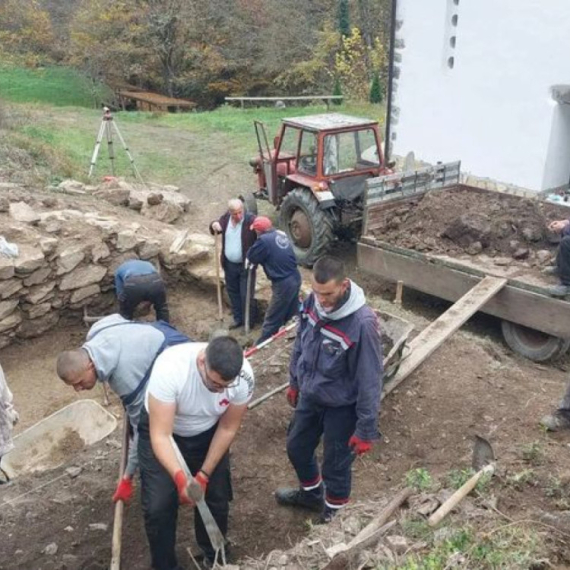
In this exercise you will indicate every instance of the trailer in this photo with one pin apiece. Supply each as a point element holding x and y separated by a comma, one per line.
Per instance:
<point>533,323</point>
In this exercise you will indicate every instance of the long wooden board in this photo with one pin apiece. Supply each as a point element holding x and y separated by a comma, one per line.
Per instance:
<point>433,336</point>
<point>524,305</point>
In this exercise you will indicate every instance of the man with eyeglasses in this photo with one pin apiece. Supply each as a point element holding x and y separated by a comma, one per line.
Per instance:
<point>197,393</point>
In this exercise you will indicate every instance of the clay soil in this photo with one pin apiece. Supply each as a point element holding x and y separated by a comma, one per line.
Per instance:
<point>465,222</point>
<point>470,385</point>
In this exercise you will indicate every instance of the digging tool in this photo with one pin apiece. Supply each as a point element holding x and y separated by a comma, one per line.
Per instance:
<point>281,332</point>
<point>196,494</point>
<point>119,506</point>
<point>484,463</point>
<point>218,279</point>
<point>248,299</point>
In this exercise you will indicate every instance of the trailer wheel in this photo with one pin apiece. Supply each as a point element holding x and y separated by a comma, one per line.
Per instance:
<point>309,228</point>
<point>250,202</point>
<point>533,344</point>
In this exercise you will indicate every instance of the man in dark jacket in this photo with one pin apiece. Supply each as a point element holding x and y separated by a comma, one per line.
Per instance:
<point>237,238</point>
<point>138,285</point>
<point>274,251</point>
<point>562,267</point>
<point>335,386</point>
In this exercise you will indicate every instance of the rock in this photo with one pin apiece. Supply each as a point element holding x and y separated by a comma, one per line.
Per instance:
<point>98,526</point>
<point>107,226</point>
<point>149,249</point>
<point>501,261</point>
<point>36,327</point>
<point>21,212</point>
<point>100,251</point>
<point>115,196</point>
<point>7,307</point>
<point>189,254</point>
<point>136,200</point>
<point>4,204</point>
<point>154,199</point>
<point>73,472</point>
<point>84,293</point>
<point>10,322</point>
<point>10,287</point>
<point>475,248</point>
<point>36,311</point>
<point>72,187</point>
<point>68,529</point>
<point>543,257</point>
<point>7,269</point>
<point>69,259</point>
<point>51,226</point>
<point>82,277</point>
<point>50,549</point>
<point>41,292</point>
<point>201,239</point>
<point>165,212</point>
<point>127,240</point>
<point>532,233</point>
<point>283,559</point>
<point>469,228</point>
<point>521,253</point>
<point>398,544</point>
<point>38,276</point>
<point>30,259</point>
<point>50,202</point>
<point>170,188</point>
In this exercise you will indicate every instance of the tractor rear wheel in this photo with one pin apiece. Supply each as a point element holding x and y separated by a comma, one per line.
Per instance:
<point>250,203</point>
<point>533,344</point>
<point>309,228</point>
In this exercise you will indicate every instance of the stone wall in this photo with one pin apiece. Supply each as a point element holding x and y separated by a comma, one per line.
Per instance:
<point>67,260</point>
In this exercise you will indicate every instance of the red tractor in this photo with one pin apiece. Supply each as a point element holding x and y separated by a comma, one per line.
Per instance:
<point>315,175</point>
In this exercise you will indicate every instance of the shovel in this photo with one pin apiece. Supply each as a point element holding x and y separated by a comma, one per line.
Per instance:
<point>248,299</point>
<point>484,462</point>
<point>196,494</point>
<point>218,280</point>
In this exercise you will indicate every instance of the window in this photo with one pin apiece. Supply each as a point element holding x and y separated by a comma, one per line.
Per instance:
<point>289,142</point>
<point>307,161</point>
<point>450,62</point>
<point>452,41</point>
<point>344,152</point>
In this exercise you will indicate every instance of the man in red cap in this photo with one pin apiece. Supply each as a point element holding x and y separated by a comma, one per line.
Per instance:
<point>274,251</point>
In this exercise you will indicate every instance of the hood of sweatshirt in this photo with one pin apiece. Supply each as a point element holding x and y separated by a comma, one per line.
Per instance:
<point>355,301</point>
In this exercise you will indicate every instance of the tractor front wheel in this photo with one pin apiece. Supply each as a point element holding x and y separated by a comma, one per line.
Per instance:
<point>309,228</point>
<point>533,344</point>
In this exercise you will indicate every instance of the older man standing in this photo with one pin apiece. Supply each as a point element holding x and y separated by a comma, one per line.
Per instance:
<point>274,251</point>
<point>237,238</point>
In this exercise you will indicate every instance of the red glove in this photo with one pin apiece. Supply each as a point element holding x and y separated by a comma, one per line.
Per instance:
<point>181,482</point>
<point>359,446</point>
<point>202,479</point>
<point>124,491</point>
<point>292,396</point>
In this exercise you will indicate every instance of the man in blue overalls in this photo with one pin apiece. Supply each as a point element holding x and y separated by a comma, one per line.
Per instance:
<point>274,251</point>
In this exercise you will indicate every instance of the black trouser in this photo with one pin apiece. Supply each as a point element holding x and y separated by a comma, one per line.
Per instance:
<point>141,288</point>
<point>336,426</point>
<point>563,260</point>
<point>160,499</point>
<point>283,306</point>
<point>236,284</point>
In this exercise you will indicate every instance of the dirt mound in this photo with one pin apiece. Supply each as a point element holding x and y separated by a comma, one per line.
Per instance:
<point>472,221</point>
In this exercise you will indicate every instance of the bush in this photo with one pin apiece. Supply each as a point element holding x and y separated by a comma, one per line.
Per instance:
<point>337,91</point>
<point>376,95</point>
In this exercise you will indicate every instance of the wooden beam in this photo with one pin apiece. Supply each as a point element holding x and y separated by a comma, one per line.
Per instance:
<point>433,336</point>
<point>517,302</point>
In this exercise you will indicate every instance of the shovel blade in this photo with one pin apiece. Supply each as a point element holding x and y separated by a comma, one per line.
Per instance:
<point>483,453</point>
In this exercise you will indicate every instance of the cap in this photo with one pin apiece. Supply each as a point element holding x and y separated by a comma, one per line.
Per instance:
<point>261,224</point>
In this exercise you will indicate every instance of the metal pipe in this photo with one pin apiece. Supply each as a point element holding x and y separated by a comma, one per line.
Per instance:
<point>393,18</point>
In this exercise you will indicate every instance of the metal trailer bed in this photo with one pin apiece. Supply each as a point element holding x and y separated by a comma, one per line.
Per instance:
<point>533,323</point>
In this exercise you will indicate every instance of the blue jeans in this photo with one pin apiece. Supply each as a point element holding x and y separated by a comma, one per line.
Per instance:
<point>336,426</point>
<point>283,306</point>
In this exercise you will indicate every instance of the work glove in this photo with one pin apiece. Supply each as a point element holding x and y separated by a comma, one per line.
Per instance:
<point>124,491</point>
<point>292,396</point>
<point>359,446</point>
<point>181,482</point>
<point>202,479</point>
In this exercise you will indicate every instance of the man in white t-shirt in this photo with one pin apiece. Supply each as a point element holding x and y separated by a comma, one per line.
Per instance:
<point>198,393</point>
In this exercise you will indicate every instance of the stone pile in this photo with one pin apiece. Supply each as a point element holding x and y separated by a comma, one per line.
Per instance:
<point>66,261</point>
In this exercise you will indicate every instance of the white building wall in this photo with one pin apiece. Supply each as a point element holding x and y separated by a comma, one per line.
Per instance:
<point>493,110</point>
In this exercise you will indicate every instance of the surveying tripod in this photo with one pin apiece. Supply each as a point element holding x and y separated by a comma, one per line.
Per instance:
<point>106,129</point>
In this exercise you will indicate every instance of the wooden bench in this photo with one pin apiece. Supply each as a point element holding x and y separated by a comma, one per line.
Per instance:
<point>325,98</point>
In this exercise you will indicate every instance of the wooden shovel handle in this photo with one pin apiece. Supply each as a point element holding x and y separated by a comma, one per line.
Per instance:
<point>218,280</point>
<point>459,495</point>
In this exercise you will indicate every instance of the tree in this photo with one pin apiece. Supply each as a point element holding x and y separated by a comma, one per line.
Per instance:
<point>337,91</point>
<point>376,95</point>
<point>343,18</point>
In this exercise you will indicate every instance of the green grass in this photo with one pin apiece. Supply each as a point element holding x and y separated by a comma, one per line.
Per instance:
<point>58,86</point>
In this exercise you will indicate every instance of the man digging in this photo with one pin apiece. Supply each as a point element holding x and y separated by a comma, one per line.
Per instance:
<point>121,353</point>
<point>335,386</point>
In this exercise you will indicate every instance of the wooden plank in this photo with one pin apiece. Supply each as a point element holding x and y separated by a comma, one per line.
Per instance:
<point>514,303</point>
<point>433,336</point>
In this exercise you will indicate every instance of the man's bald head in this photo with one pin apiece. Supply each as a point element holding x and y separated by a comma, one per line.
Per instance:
<point>76,369</point>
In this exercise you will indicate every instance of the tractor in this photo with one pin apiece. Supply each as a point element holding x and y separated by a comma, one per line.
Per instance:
<point>315,175</point>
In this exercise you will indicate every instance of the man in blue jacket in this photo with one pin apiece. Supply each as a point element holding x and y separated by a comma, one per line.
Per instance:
<point>138,284</point>
<point>335,386</point>
<point>274,251</point>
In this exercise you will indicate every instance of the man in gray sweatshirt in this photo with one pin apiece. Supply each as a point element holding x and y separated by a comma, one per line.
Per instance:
<point>121,353</point>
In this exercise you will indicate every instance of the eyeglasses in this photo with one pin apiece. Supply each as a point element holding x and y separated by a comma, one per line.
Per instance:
<point>218,385</point>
